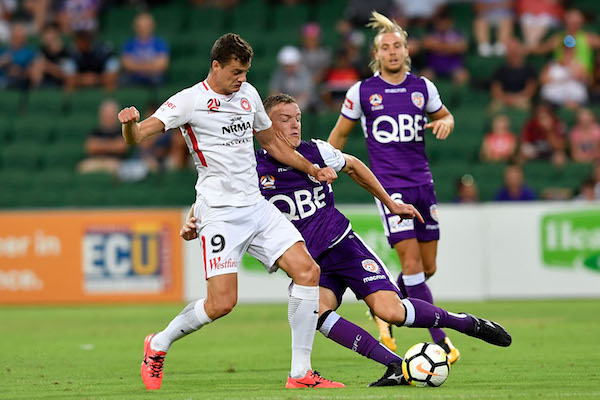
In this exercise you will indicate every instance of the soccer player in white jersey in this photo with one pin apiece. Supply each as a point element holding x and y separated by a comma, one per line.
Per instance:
<point>393,106</point>
<point>218,118</point>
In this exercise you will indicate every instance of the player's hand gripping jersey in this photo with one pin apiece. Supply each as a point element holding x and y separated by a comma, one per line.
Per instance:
<point>393,119</point>
<point>218,130</point>
<point>309,204</point>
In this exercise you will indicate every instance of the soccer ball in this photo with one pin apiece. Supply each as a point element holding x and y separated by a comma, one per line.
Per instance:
<point>425,364</point>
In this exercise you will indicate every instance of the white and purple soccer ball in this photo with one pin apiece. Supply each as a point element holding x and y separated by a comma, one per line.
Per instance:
<point>426,365</point>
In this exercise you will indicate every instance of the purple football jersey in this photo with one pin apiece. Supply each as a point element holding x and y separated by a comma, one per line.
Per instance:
<point>393,118</point>
<point>308,203</point>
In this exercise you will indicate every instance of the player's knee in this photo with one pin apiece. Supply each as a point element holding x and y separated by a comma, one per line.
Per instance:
<point>430,269</point>
<point>223,307</point>
<point>307,273</point>
<point>393,315</point>
<point>411,267</point>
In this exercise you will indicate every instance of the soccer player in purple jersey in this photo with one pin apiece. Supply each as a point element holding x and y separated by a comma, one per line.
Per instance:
<point>393,107</point>
<point>345,260</point>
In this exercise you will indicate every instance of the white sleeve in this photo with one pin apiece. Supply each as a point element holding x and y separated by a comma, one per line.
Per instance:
<point>434,102</point>
<point>261,119</point>
<point>333,157</point>
<point>177,111</point>
<point>351,108</point>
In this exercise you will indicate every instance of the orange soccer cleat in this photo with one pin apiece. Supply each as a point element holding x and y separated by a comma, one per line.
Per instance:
<point>312,380</point>
<point>152,365</point>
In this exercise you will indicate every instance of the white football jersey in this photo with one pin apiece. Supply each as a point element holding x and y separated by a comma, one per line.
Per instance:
<point>219,132</point>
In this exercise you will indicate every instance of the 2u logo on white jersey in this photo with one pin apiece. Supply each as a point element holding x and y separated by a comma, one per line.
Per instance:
<point>405,129</point>
<point>304,204</point>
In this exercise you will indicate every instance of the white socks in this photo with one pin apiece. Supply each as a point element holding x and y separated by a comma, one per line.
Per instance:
<point>192,318</point>
<point>413,280</point>
<point>303,313</point>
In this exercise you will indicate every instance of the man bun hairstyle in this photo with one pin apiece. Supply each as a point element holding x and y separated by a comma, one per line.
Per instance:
<point>383,24</point>
<point>231,46</point>
<point>276,99</point>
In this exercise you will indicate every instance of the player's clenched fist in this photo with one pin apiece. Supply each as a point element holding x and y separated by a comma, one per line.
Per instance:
<point>129,114</point>
<point>188,230</point>
<point>326,174</point>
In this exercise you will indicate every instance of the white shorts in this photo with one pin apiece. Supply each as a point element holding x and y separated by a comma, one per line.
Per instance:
<point>226,233</point>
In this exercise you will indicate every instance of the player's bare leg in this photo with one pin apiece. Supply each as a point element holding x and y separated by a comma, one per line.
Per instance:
<point>220,299</point>
<point>355,338</point>
<point>429,255</point>
<point>303,312</point>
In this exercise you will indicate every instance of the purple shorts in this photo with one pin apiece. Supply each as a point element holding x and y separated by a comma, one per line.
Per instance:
<point>423,198</point>
<point>352,264</point>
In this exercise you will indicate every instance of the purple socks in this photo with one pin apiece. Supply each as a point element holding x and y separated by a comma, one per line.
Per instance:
<point>421,314</point>
<point>416,288</point>
<point>355,338</point>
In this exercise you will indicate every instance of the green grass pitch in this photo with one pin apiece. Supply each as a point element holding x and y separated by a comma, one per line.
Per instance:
<point>94,352</point>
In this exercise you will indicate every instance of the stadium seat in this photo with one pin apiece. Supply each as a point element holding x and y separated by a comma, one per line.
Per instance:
<point>37,131</point>
<point>13,102</point>
<point>75,128</point>
<point>46,101</point>
<point>63,155</point>
<point>21,156</point>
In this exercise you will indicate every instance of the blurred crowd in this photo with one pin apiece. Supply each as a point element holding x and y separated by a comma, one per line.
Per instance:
<point>55,43</point>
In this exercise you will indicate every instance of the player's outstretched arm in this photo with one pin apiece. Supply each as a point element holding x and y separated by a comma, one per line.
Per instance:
<point>442,123</point>
<point>339,133</point>
<point>362,175</point>
<point>279,148</point>
<point>133,131</point>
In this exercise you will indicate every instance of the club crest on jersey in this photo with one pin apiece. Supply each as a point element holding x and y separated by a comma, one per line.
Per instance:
<point>433,211</point>
<point>213,104</point>
<point>245,104</point>
<point>370,266</point>
<point>418,99</point>
<point>375,99</point>
<point>267,181</point>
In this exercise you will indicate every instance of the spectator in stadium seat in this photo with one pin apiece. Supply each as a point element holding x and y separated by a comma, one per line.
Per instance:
<point>79,15</point>
<point>293,78</point>
<point>338,79</point>
<point>543,137</point>
<point>49,66</point>
<point>91,63</point>
<point>445,48</point>
<point>419,12</point>
<point>490,13</point>
<point>536,17</point>
<point>514,83</point>
<point>105,147</point>
<point>564,82</point>
<point>315,57</point>
<point>514,188</point>
<point>16,60</point>
<point>586,191</point>
<point>145,57</point>
<point>585,42</point>
<point>584,138</point>
<point>500,144</point>
<point>466,190</point>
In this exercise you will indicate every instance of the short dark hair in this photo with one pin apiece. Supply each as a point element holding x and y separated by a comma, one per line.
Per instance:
<point>231,46</point>
<point>275,99</point>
